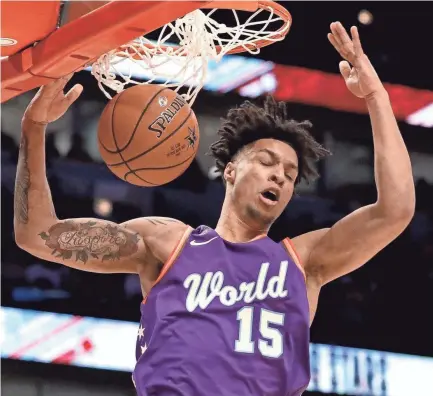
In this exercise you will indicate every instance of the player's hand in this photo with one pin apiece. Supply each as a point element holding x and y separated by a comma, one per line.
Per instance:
<point>50,102</point>
<point>359,74</point>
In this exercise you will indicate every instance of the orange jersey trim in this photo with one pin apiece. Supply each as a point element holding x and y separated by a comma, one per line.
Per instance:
<point>295,257</point>
<point>171,259</point>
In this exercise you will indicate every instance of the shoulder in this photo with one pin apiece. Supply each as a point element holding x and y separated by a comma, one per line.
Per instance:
<point>160,235</point>
<point>156,227</point>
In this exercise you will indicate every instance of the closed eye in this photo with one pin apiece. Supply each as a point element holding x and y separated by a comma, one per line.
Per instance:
<point>266,163</point>
<point>265,159</point>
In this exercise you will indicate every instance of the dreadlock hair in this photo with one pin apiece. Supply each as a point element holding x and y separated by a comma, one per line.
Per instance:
<point>249,122</point>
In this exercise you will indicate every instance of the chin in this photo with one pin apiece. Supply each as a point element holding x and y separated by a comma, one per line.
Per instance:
<point>264,218</point>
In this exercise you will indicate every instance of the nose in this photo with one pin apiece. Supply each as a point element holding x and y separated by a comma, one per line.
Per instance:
<point>277,177</point>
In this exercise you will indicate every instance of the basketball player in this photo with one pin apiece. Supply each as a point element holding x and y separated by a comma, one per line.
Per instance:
<point>227,310</point>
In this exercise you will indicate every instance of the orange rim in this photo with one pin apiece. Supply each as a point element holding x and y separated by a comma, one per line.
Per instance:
<point>83,40</point>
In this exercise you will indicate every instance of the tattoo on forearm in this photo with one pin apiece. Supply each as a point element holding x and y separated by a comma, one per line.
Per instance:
<point>104,242</point>
<point>22,185</point>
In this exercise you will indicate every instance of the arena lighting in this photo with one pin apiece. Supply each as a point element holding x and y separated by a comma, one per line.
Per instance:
<point>47,337</point>
<point>102,207</point>
<point>422,117</point>
<point>288,83</point>
<point>264,84</point>
<point>214,173</point>
<point>365,17</point>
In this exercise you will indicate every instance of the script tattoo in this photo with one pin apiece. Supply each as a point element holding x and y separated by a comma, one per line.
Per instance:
<point>105,242</point>
<point>22,185</point>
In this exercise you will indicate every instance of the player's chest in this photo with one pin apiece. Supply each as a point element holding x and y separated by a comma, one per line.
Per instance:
<point>224,279</point>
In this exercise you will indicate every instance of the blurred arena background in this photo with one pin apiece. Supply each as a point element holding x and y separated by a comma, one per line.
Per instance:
<point>65,332</point>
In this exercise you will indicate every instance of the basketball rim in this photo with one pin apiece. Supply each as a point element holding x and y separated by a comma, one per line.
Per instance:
<point>82,41</point>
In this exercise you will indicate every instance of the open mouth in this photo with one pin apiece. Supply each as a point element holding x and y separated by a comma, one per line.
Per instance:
<point>270,197</point>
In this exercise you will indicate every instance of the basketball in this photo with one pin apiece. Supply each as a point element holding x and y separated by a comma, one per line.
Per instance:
<point>148,135</point>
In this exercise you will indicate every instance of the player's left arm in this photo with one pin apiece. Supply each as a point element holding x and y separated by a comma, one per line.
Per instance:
<point>354,240</point>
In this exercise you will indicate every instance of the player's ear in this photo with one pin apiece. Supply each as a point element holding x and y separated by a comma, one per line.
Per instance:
<point>230,173</point>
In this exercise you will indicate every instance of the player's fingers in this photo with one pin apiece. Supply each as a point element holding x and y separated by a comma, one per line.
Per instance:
<point>342,34</point>
<point>335,33</point>
<point>334,43</point>
<point>346,43</point>
<point>73,94</point>
<point>342,42</point>
<point>61,82</point>
<point>356,41</point>
<point>344,69</point>
<point>56,85</point>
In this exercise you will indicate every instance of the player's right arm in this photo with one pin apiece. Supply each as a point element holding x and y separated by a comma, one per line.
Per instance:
<point>88,244</point>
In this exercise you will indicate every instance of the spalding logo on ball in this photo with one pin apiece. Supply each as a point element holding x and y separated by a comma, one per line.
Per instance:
<point>163,120</point>
<point>148,135</point>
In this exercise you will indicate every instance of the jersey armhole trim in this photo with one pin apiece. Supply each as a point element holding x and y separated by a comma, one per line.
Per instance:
<point>288,244</point>
<point>171,259</point>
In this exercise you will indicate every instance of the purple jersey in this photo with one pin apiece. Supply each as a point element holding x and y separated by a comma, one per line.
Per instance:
<point>225,319</point>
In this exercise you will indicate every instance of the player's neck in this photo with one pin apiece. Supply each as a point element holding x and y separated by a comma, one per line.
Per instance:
<point>231,228</point>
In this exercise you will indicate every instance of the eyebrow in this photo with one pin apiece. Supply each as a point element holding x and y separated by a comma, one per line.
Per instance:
<point>277,158</point>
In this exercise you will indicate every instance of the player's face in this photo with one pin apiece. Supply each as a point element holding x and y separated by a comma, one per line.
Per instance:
<point>263,180</point>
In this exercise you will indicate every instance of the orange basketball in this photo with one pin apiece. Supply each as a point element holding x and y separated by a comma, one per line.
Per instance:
<point>148,135</point>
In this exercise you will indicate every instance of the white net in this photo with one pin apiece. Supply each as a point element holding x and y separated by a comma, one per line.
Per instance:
<point>183,67</point>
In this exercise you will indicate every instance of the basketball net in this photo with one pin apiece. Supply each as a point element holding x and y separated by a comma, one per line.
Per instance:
<point>201,39</point>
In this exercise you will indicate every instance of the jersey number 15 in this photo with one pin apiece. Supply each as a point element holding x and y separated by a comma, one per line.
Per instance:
<point>271,343</point>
